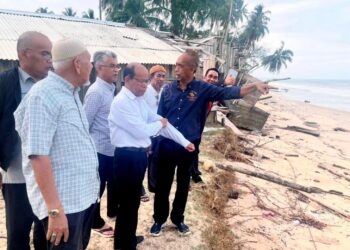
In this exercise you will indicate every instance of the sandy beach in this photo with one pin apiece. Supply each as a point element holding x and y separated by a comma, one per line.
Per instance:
<point>267,215</point>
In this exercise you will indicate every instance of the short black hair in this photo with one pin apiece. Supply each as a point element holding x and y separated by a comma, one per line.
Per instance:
<point>212,69</point>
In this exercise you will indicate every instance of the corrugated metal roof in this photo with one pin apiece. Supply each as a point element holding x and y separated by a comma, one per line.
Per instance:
<point>130,44</point>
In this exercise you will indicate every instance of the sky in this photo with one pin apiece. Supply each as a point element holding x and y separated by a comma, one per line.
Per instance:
<point>317,31</point>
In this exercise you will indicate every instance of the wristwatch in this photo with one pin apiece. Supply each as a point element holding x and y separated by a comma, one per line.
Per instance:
<point>54,213</point>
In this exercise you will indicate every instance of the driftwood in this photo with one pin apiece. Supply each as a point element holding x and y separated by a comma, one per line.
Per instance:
<point>243,115</point>
<point>264,98</point>
<point>223,119</point>
<point>276,180</point>
<point>327,207</point>
<point>324,167</point>
<point>303,130</point>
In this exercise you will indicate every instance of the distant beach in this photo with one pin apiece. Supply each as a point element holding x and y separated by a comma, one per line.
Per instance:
<point>326,93</point>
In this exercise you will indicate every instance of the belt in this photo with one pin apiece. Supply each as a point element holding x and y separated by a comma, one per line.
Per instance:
<point>134,149</point>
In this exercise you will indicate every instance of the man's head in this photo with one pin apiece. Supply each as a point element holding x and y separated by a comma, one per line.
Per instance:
<point>186,66</point>
<point>211,76</point>
<point>136,78</point>
<point>106,65</point>
<point>71,60</point>
<point>34,54</point>
<point>157,76</point>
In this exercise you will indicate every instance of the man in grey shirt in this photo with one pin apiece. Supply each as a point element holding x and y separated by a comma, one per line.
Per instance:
<point>97,104</point>
<point>34,54</point>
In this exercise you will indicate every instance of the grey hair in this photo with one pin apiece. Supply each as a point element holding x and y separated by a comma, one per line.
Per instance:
<point>195,57</point>
<point>25,40</point>
<point>100,56</point>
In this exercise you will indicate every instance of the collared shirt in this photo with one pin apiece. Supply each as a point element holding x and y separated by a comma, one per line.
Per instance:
<point>51,122</point>
<point>132,122</point>
<point>14,174</point>
<point>97,104</point>
<point>152,97</point>
<point>187,109</point>
<point>26,81</point>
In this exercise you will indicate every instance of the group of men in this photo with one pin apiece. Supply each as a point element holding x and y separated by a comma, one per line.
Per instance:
<point>57,154</point>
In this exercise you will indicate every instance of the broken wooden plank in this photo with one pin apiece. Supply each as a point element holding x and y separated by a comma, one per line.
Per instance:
<point>245,116</point>
<point>276,180</point>
<point>303,130</point>
<point>220,116</point>
<point>264,98</point>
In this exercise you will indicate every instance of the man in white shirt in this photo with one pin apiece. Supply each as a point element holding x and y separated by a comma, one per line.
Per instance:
<point>152,96</point>
<point>157,80</point>
<point>132,123</point>
<point>97,104</point>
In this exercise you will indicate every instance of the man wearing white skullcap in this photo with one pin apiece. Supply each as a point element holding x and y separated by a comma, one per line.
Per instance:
<point>59,157</point>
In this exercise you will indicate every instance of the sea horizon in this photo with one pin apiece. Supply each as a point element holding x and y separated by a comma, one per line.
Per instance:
<point>330,93</point>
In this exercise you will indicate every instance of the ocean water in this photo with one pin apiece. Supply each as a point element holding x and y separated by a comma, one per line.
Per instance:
<point>326,93</point>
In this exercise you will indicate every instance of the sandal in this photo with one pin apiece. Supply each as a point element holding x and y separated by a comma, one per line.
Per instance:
<point>144,198</point>
<point>106,232</point>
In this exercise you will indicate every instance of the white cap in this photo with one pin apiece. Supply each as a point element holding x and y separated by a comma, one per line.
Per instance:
<point>67,48</point>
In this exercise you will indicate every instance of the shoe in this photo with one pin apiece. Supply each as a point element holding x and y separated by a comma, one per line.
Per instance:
<point>144,198</point>
<point>183,229</point>
<point>105,231</point>
<point>156,229</point>
<point>139,239</point>
<point>197,179</point>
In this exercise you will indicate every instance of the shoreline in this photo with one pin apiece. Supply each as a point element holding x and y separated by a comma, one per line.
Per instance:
<point>292,156</point>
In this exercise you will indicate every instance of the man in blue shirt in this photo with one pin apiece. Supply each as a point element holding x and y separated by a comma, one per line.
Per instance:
<point>184,103</point>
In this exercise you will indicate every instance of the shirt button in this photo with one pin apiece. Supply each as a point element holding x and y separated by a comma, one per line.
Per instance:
<point>177,127</point>
<point>179,108</point>
<point>180,100</point>
<point>178,118</point>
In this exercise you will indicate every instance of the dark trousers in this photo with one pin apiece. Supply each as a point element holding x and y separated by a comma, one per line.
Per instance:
<point>152,167</point>
<point>169,156</point>
<point>79,225</point>
<point>19,219</point>
<point>105,169</point>
<point>130,167</point>
<point>194,167</point>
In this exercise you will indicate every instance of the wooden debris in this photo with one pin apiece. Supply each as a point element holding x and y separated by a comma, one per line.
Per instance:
<point>340,129</point>
<point>303,130</point>
<point>264,98</point>
<point>326,207</point>
<point>276,180</point>
<point>312,124</point>
<point>220,116</point>
<point>292,155</point>
<point>324,167</point>
<point>245,116</point>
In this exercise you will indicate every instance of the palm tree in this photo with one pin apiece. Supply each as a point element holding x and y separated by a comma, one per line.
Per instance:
<point>44,10</point>
<point>137,12</point>
<point>111,6</point>
<point>89,14</point>
<point>256,27</point>
<point>275,61</point>
<point>69,12</point>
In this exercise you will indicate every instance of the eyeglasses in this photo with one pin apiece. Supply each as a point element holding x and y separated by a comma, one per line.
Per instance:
<point>44,54</point>
<point>111,66</point>
<point>144,81</point>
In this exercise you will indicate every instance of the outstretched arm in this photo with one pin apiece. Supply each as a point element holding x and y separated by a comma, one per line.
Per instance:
<point>260,86</point>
